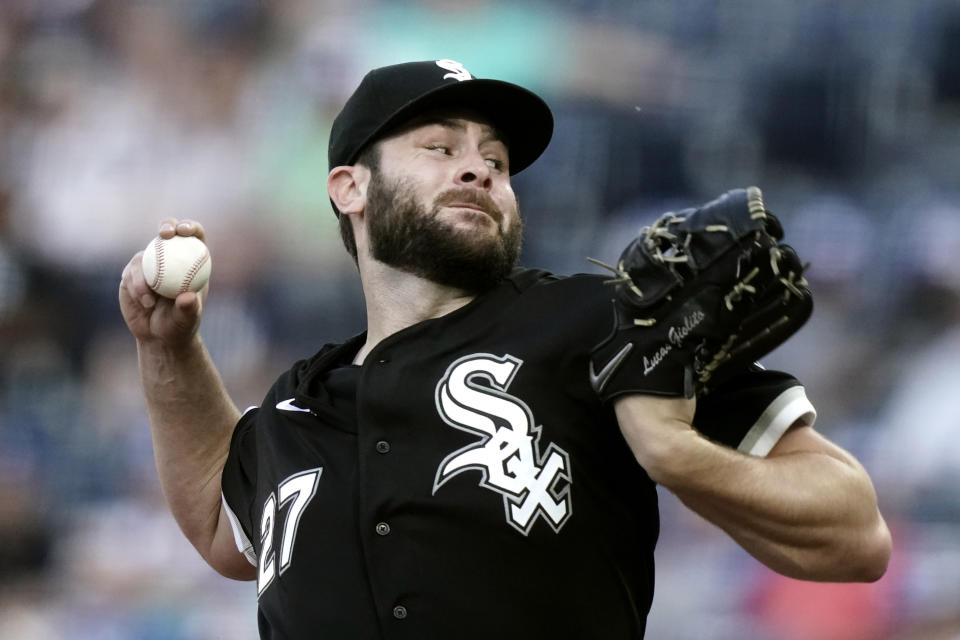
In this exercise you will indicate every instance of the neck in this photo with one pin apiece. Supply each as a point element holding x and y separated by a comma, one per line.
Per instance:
<point>396,300</point>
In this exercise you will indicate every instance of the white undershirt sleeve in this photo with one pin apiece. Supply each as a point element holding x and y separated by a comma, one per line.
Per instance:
<point>786,409</point>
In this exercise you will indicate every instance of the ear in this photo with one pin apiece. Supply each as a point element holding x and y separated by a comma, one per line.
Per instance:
<point>347,187</point>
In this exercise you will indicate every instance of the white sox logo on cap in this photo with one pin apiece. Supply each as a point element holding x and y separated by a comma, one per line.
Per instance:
<point>457,70</point>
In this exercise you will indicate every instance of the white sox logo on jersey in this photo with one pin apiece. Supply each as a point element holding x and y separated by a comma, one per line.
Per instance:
<point>472,396</point>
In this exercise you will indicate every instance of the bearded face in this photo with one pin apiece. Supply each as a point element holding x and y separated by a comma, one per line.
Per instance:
<point>409,236</point>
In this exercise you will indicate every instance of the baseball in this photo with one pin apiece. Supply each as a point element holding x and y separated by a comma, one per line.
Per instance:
<point>172,266</point>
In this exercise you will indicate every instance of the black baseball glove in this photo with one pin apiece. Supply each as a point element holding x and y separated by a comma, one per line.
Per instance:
<point>699,296</point>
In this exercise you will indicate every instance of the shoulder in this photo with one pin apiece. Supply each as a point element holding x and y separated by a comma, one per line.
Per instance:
<point>297,381</point>
<point>526,279</point>
<point>581,292</point>
<point>577,307</point>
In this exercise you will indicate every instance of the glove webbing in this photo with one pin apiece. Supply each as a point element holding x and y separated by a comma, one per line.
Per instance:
<point>791,282</point>
<point>725,352</point>
<point>659,230</point>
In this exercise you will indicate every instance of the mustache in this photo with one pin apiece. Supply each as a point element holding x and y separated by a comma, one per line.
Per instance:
<point>474,197</point>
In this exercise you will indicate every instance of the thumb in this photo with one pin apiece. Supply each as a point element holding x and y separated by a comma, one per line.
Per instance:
<point>186,311</point>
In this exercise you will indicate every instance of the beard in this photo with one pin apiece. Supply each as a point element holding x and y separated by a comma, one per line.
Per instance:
<point>408,237</point>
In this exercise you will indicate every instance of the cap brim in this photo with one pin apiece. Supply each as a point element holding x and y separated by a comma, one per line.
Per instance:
<point>521,116</point>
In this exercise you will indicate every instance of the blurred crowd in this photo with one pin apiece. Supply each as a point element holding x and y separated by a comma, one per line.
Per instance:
<point>117,113</point>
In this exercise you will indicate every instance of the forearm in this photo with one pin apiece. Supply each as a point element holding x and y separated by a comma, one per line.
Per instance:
<point>192,419</point>
<point>807,515</point>
<point>808,510</point>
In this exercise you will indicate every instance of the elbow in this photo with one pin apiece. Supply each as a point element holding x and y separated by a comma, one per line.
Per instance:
<point>236,571</point>
<point>229,563</point>
<point>864,558</point>
<point>874,555</point>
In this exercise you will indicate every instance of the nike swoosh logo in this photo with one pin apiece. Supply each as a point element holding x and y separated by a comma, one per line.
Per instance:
<point>287,405</point>
<point>599,380</point>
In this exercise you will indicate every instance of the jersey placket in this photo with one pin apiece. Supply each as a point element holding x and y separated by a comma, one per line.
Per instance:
<point>381,489</point>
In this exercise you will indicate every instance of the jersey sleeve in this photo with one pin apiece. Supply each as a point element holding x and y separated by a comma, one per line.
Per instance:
<point>238,483</point>
<point>751,411</point>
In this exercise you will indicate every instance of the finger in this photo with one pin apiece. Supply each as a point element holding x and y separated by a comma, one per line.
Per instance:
<point>168,227</point>
<point>125,284</point>
<point>191,228</point>
<point>186,310</point>
<point>136,285</point>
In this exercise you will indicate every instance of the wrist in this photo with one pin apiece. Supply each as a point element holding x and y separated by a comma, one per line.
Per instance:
<point>160,354</point>
<point>670,458</point>
<point>660,433</point>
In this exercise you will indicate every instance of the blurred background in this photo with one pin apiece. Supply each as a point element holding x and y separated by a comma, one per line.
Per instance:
<point>116,113</point>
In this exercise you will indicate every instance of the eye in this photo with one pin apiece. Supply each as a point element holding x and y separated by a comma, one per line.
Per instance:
<point>442,149</point>
<point>494,163</point>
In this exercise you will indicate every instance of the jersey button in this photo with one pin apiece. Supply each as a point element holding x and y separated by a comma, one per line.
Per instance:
<point>383,447</point>
<point>399,612</point>
<point>382,528</point>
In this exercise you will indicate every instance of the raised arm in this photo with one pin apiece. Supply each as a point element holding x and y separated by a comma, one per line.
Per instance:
<point>808,510</point>
<point>191,415</point>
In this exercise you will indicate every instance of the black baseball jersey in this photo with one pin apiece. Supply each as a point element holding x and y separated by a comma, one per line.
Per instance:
<point>465,481</point>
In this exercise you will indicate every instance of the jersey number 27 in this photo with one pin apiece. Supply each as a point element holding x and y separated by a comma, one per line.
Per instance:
<point>297,490</point>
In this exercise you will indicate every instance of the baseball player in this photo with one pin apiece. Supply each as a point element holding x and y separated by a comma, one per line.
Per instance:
<point>482,460</point>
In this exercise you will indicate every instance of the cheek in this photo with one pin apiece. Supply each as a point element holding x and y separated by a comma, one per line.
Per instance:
<point>508,205</point>
<point>422,193</point>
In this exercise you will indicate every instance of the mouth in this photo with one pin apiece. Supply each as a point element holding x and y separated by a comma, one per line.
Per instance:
<point>472,207</point>
<point>468,200</point>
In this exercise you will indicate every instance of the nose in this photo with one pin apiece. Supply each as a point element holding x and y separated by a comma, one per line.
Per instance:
<point>474,172</point>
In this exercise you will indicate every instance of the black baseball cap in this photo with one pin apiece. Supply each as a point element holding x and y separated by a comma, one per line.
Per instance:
<point>389,96</point>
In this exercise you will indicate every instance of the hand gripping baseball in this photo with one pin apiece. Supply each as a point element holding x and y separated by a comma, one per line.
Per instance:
<point>151,317</point>
<point>698,296</point>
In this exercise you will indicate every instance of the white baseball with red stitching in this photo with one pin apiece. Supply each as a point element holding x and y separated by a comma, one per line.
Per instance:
<point>172,266</point>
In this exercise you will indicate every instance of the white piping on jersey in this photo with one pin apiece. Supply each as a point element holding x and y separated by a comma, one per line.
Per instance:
<point>239,537</point>
<point>786,409</point>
